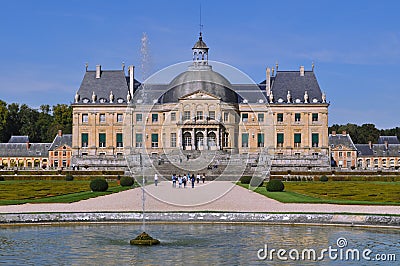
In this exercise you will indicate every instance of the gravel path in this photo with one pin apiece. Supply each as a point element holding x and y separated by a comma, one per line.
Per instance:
<point>211,196</point>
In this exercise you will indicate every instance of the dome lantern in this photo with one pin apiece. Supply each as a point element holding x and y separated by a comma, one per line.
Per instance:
<point>200,52</point>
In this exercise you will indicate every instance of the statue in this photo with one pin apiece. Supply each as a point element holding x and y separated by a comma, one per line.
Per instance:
<point>305,97</point>
<point>323,97</point>
<point>288,97</point>
<point>128,98</point>
<point>111,97</point>
<point>76,97</point>
<point>93,97</point>
<point>271,97</point>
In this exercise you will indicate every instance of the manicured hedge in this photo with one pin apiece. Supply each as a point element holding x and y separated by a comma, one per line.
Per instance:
<point>99,185</point>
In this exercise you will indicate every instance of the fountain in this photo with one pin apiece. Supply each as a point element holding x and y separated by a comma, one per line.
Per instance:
<point>144,239</point>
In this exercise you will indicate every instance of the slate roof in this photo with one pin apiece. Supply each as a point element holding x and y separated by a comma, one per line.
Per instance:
<point>389,139</point>
<point>59,141</point>
<point>378,150</point>
<point>110,80</point>
<point>18,139</point>
<point>21,150</point>
<point>340,139</point>
<point>285,81</point>
<point>118,83</point>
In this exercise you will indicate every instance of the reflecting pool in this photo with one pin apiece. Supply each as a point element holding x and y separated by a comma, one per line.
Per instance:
<point>193,244</point>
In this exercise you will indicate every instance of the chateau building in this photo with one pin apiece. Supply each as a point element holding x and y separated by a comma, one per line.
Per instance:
<point>284,117</point>
<point>343,150</point>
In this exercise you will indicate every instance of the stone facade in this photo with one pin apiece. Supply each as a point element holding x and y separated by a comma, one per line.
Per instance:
<point>284,117</point>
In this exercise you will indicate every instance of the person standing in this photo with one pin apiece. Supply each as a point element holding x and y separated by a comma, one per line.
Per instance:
<point>180,181</point>
<point>173,180</point>
<point>193,180</point>
<point>155,179</point>
<point>198,178</point>
<point>184,180</point>
<point>203,177</point>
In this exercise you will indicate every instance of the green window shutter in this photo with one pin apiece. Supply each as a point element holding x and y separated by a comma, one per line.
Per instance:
<point>119,137</point>
<point>85,137</point>
<point>139,137</point>
<point>102,137</point>
<point>260,138</point>
<point>154,137</point>
<point>315,138</point>
<point>245,139</point>
<point>297,138</point>
<point>280,137</point>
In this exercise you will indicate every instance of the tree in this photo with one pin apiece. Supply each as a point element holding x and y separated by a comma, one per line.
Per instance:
<point>43,124</point>
<point>62,119</point>
<point>3,120</point>
<point>13,121</point>
<point>28,118</point>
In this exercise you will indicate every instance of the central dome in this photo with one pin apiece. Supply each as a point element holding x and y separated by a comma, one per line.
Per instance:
<point>199,78</point>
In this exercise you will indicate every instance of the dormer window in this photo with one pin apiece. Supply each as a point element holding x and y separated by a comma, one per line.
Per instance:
<point>120,100</point>
<point>102,100</point>
<point>85,100</point>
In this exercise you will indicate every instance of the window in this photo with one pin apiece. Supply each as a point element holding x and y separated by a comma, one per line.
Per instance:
<point>64,153</point>
<point>297,139</point>
<point>297,117</point>
<point>120,118</point>
<point>226,140</point>
<point>56,153</point>
<point>102,140</point>
<point>279,117</point>
<point>260,140</point>
<point>102,118</point>
<point>245,117</point>
<point>199,115</point>
<point>315,139</point>
<point>64,163</point>
<point>139,140</point>
<point>85,139</point>
<point>55,163</point>
<point>279,139</point>
<point>245,140</point>
<point>154,118</point>
<point>348,154</point>
<point>139,117</point>
<point>120,143</point>
<point>315,117</point>
<point>211,114</point>
<point>340,154</point>
<point>154,140</point>
<point>85,118</point>
<point>173,140</point>
<point>173,116</point>
<point>225,116</point>
<point>186,115</point>
<point>260,117</point>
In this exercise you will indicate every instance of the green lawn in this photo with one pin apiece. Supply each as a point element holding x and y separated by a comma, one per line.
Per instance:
<point>24,191</point>
<point>366,193</point>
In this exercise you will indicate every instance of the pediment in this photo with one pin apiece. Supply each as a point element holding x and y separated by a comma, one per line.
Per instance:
<point>200,95</point>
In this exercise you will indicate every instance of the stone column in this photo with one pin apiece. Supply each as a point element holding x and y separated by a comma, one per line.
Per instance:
<point>205,140</point>
<point>179,138</point>
<point>193,133</point>
<point>218,138</point>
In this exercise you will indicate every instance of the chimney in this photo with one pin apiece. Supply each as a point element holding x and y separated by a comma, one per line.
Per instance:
<point>59,132</point>
<point>301,71</point>
<point>386,144</point>
<point>28,145</point>
<point>370,144</point>
<point>268,81</point>
<point>344,133</point>
<point>131,70</point>
<point>98,71</point>
<point>333,133</point>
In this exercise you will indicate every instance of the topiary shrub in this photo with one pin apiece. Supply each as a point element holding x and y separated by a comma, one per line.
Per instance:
<point>69,177</point>
<point>323,178</point>
<point>1,178</point>
<point>126,181</point>
<point>275,185</point>
<point>245,179</point>
<point>98,185</point>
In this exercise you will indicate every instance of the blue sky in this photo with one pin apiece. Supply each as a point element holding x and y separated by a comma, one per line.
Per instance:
<point>355,46</point>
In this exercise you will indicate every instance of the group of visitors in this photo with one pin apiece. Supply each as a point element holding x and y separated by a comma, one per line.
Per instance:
<point>184,179</point>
